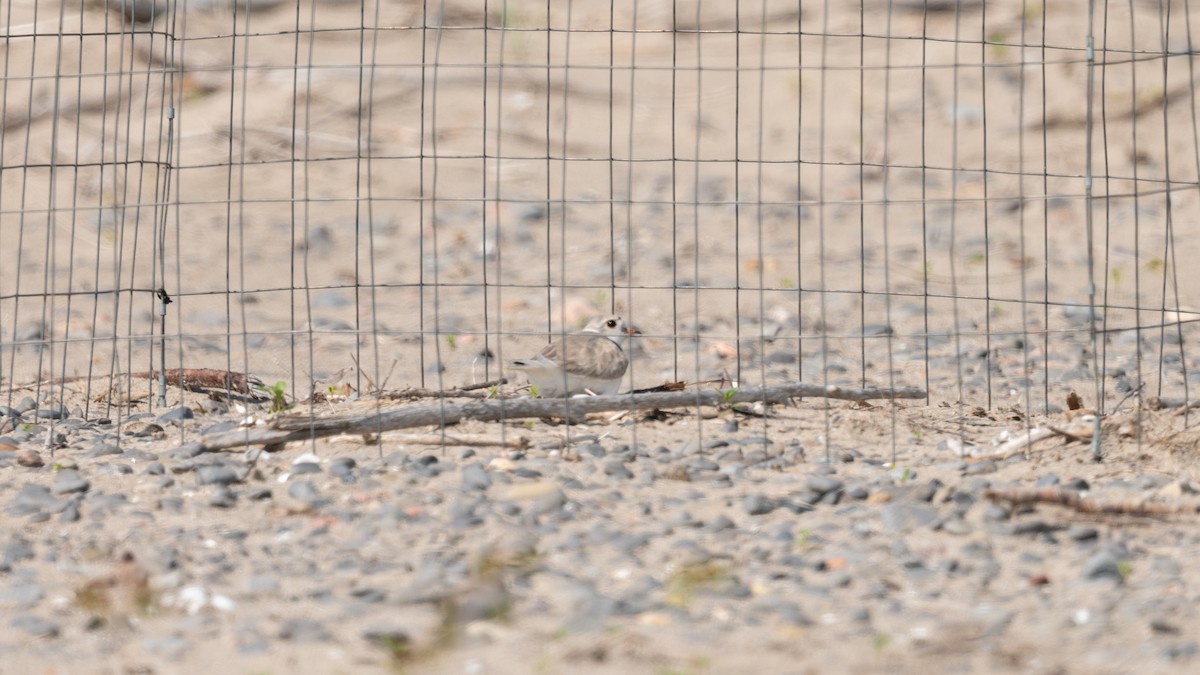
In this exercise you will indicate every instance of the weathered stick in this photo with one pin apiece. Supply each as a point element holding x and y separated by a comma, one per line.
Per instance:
<point>518,442</point>
<point>286,429</point>
<point>1074,500</point>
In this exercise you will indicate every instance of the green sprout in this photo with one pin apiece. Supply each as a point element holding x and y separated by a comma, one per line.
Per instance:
<point>1124,568</point>
<point>727,394</point>
<point>803,539</point>
<point>278,394</point>
<point>880,642</point>
<point>452,341</point>
<point>534,391</point>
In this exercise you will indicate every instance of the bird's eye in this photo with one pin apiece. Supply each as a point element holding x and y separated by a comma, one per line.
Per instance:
<point>611,323</point>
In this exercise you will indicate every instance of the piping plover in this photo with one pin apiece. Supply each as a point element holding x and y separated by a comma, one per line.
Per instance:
<point>588,362</point>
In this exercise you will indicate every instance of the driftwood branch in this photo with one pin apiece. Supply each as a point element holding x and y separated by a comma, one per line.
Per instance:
<point>287,429</point>
<point>1073,500</point>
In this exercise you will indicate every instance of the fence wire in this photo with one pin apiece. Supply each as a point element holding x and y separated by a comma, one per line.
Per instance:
<point>990,200</point>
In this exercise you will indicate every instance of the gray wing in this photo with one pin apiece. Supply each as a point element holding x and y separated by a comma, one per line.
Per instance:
<point>588,355</point>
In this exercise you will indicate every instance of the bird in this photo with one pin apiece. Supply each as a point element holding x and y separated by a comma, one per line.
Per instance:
<point>590,362</point>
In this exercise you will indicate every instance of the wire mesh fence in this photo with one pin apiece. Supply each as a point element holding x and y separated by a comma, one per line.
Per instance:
<point>989,200</point>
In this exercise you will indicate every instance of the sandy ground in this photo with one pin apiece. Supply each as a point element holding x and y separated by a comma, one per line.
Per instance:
<point>765,207</point>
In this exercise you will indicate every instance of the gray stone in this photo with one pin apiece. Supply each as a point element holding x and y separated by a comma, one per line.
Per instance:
<point>1082,533</point>
<point>53,412</point>
<point>34,499</point>
<point>70,512</point>
<point>21,595</point>
<point>217,474</point>
<point>178,415</point>
<point>102,450</point>
<point>17,550</point>
<point>304,491</point>
<point>903,517</point>
<point>757,504</point>
<point>187,450</point>
<point>303,630</point>
<point>222,497</point>
<point>721,522</point>
<point>35,626</point>
<point>823,484</point>
<point>617,469</point>
<point>1103,565</point>
<point>475,477</point>
<point>342,466</point>
<point>168,646</point>
<point>302,468</point>
<point>68,481</point>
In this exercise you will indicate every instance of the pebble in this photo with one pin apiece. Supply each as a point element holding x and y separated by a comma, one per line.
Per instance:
<point>102,450</point>
<point>757,504</point>
<point>1103,565</point>
<point>29,458</point>
<point>475,477</point>
<point>617,469</point>
<point>217,474</point>
<point>823,484</point>
<point>176,416</point>
<point>222,497</point>
<point>67,481</point>
<point>301,629</point>
<point>35,626</point>
<point>306,493</point>
<point>899,518</point>
<point>53,412</point>
<point>1082,533</point>
<point>21,595</point>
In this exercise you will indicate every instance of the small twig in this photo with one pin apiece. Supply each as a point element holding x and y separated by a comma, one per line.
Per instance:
<point>1076,501</point>
<point>1128,395</point>
<point>391,369</point>
<point>370,382</point>
<point>464,391</point>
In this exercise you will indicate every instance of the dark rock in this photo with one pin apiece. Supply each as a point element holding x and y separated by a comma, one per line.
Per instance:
<point>102,450</point>
<point>217,474</point>
<point>757,504</point>
<point>178,415</point>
